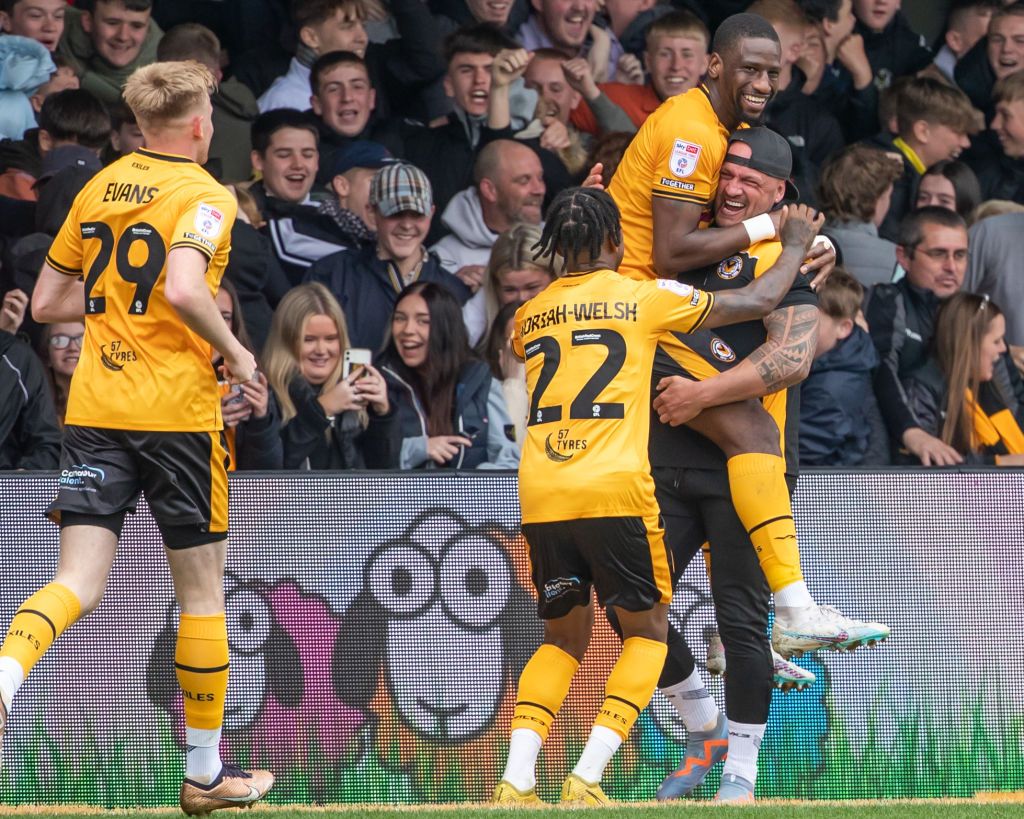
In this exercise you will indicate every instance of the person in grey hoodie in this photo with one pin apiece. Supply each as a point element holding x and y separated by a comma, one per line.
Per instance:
<point>234,106</point>
<point>854,193</point>
<point>508,189</point>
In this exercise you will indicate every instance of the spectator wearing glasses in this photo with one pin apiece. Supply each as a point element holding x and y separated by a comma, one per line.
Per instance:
<point>932,248</point>
<point>62,346</point>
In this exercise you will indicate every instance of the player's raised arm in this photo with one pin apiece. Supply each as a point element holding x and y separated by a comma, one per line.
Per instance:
<point>800,225</point>
<point>188,294</point>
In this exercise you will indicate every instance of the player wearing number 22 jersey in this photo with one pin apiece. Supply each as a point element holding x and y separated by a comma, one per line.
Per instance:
<point>589,342</point>
<point>590,517</point>
<point>133,373</point>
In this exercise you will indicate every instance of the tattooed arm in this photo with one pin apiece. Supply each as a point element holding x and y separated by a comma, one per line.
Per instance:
<point>782,361</point>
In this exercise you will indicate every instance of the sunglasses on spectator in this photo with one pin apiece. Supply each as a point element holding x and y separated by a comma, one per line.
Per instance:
<point>62,342</point>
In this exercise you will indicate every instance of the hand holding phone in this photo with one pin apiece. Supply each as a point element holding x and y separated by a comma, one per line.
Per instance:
<point>354,363</point>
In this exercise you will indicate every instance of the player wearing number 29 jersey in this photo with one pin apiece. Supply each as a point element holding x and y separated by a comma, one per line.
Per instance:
<point>140,368</point>
<point>589,342</point>
<point>141,256</point>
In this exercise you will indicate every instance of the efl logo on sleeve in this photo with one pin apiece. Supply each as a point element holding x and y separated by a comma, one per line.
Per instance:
<point>209,220</point>
<point>680,289</point>
<point>683,160</point>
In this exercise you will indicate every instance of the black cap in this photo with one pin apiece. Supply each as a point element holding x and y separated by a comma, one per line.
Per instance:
<point>769,153</point>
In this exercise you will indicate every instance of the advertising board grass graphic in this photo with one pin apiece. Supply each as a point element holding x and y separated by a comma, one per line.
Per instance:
<point>378,624</point>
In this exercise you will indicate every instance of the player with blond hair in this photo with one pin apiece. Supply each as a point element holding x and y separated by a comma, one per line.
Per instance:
<point>140,256</point>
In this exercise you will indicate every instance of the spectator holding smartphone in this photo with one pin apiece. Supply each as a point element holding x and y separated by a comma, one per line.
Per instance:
<point>252,421</point>
<point>451,409</point>
<point>329,422</point>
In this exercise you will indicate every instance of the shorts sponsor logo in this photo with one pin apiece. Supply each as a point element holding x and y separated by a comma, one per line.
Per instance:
<point>683,161</point>
<point>722,351</point>
<point>675,183</point>
<point>730,268</point>
<point>561,585</point>
<point>76,477</point>
<point>209,220</point>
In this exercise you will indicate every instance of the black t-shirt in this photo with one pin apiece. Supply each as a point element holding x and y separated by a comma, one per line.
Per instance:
<point>723,348</point>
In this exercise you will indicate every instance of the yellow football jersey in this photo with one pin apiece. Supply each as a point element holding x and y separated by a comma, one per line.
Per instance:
<point>677,154</point>
<point>589,343</point>
<point>141,368</point>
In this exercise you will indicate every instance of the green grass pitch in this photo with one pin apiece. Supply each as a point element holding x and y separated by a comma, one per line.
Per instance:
<point>1008,807</point>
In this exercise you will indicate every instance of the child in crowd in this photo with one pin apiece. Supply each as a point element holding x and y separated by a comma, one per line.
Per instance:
<point>837,401</point>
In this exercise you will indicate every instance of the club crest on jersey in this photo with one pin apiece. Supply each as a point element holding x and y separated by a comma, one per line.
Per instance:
<point>209,220</point>
<point>721,350</point>
<point>683,160</point>
<point>730,268</point>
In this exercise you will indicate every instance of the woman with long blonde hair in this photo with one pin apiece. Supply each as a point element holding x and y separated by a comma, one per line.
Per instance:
<point>513,274</point>
<point>956,395</point>
<point>328,422</point>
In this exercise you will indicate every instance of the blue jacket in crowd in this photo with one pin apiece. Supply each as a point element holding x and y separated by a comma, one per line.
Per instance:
<point>835,426</point>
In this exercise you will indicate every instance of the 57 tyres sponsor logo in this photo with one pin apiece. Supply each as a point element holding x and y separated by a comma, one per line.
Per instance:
<point>564,447</point>
<point>118,356</point>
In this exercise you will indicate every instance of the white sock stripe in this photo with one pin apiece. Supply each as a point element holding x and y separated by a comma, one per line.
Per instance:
<point>699,694</point>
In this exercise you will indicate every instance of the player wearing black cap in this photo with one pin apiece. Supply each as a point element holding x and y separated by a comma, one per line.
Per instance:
<point>693,482</point>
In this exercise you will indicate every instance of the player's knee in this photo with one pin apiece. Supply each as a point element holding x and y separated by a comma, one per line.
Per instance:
<point>575,645</point>
<point>651,624</point>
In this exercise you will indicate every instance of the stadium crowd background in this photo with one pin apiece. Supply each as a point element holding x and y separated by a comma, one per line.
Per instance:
<point>371,145</point>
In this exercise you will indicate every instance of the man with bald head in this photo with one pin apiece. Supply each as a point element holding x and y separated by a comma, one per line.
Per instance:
<point>508,188</point>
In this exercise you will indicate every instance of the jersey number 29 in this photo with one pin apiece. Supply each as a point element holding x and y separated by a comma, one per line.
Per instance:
<point>143,276</point>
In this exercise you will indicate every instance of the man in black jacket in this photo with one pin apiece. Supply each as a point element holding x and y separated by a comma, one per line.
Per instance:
<point>285,150</point>
<point>893,48</point>
<point>29,436</point>
<point>933,250</point>
<point>995,56</point>
<point>1000,166</point>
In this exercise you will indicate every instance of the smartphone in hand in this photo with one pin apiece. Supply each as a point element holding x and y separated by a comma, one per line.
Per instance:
<point>354,363</point>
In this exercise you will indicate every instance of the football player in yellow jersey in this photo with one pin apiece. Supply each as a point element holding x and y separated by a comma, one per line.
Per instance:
<point>141,255</point>
<point>587,498</point>
<point>664,186</point>
<point>692,477</point>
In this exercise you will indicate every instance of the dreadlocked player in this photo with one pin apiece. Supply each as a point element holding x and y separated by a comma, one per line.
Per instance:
<point>587,497</point>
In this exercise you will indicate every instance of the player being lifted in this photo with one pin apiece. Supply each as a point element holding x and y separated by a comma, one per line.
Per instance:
<point>150,234</point>
<point>664,187</point>
<point>589,513</point>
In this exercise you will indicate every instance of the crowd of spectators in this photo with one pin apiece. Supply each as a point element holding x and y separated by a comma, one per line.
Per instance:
<point>393,159</point>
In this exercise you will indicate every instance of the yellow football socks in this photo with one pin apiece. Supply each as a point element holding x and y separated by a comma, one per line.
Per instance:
<point>201,663</point>
<point>40,620</point>
<point>761,498</point>
<point>631,684</point>
<point>543,686</point>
